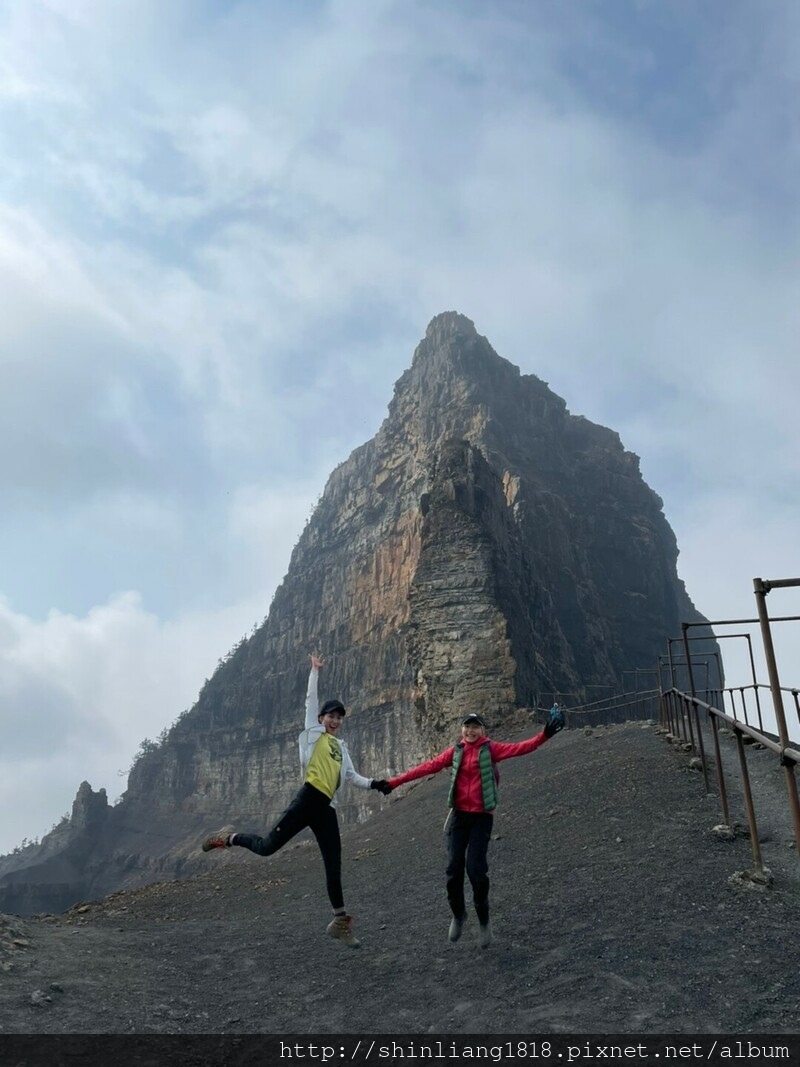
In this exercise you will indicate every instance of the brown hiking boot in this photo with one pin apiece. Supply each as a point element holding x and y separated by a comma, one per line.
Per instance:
<point>221,839</point>
<point>342,929</point>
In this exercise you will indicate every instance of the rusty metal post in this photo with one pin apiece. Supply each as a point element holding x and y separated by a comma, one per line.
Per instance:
<point>680,721</point>
<point>755,682</point>
<point>748,800</point>
<point>686,719</point>
<point>700,745</point>
<point>687,653</point>
<point>671,668</point>
<point>761,589</point>
<point>716,656</point>
<point>723,793</point>
<point>732,694</point>
<point>687,707</point>
<point>673,715</point>
<point>668,709</point>
<point>692,690</point>
<point>744,704</point>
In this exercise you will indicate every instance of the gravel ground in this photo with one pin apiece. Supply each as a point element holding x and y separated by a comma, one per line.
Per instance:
<point>616,910</point>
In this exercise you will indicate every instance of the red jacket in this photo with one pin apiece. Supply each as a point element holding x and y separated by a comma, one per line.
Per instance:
<point>468,794</point>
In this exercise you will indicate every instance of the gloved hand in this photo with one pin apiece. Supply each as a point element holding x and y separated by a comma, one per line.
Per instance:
<point>555,721</point>
<point>381,785</point>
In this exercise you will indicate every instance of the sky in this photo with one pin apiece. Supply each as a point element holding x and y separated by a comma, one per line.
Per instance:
<point>224,227</point>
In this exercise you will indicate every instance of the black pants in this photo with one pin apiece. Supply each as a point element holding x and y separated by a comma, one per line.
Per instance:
<point>468,835</point>
<point>309,808</point>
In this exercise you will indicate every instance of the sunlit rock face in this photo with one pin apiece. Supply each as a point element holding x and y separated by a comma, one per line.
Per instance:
<point>485,549</point>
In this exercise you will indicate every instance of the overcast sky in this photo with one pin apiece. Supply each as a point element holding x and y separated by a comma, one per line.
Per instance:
<point>224,226</point>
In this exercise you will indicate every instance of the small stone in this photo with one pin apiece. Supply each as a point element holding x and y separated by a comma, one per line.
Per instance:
<point>39,998</point>
<point>756,880</point>
<point>723,832</point>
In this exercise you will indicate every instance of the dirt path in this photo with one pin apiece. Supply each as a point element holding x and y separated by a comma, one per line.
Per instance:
<point>613,912</point>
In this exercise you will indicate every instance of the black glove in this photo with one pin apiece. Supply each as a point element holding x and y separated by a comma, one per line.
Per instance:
<point>555,722</point>
<point>381,785</point>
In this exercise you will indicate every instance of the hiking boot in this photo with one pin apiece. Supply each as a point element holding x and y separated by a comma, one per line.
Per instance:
<point>341,927</point>
<point>221,839</point>
<point>456,927</point>
<point>485,934</point>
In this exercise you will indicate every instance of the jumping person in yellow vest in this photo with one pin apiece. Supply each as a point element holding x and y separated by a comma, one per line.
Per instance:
<point>472,799</point>
<point>325,763</point>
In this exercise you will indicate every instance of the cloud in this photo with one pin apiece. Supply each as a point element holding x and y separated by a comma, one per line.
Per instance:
<point>223,228</point>
<point>80,694</point>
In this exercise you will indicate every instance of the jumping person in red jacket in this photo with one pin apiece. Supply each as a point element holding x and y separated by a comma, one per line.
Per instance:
<point>473,798</point>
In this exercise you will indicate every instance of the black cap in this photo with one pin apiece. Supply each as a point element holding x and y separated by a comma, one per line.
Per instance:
<point>473,718</point>
<point>332,705</point>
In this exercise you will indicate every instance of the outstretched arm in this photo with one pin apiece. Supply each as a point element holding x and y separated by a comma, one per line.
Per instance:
<point>312,699</point>
<point>350,774</point>
<point>422,770</point>
<point>507,750</point>
<point>503,750</point>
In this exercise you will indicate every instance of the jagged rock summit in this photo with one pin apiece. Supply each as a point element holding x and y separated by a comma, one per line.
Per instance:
<point>484,550</point>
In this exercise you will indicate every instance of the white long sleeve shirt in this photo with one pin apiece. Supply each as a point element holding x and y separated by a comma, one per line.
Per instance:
<point>314,730</point>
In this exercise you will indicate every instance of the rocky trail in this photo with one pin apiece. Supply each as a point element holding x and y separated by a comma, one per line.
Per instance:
<point>615,910</point>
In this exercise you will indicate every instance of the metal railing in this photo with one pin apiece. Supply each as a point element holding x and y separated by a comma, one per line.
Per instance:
<point>691,716</point>
<point>622,707</point>
<point>681,715</point>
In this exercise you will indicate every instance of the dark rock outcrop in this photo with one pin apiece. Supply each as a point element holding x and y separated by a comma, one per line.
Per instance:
<point>484,550</point>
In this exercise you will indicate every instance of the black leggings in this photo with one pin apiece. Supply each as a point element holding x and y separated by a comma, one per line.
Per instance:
<point>309,808</point>
<point>468,835</point>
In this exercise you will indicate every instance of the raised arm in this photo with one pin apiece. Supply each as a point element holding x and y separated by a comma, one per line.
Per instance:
<point>504,750</point>
<point>312,698</point>
<point>507,750</point>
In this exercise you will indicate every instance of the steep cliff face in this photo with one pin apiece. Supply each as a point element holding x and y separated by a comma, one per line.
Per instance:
<point>484,548</point>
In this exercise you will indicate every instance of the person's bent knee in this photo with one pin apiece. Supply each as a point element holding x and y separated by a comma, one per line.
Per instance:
<point>262,846</point>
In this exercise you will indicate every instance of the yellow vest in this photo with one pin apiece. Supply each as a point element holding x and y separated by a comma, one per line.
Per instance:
<point>324,769</point>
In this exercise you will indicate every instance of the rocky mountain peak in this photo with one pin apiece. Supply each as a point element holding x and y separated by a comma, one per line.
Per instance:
<point>452,345</point>
<point>484,551</point>
<point>447,325</point>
